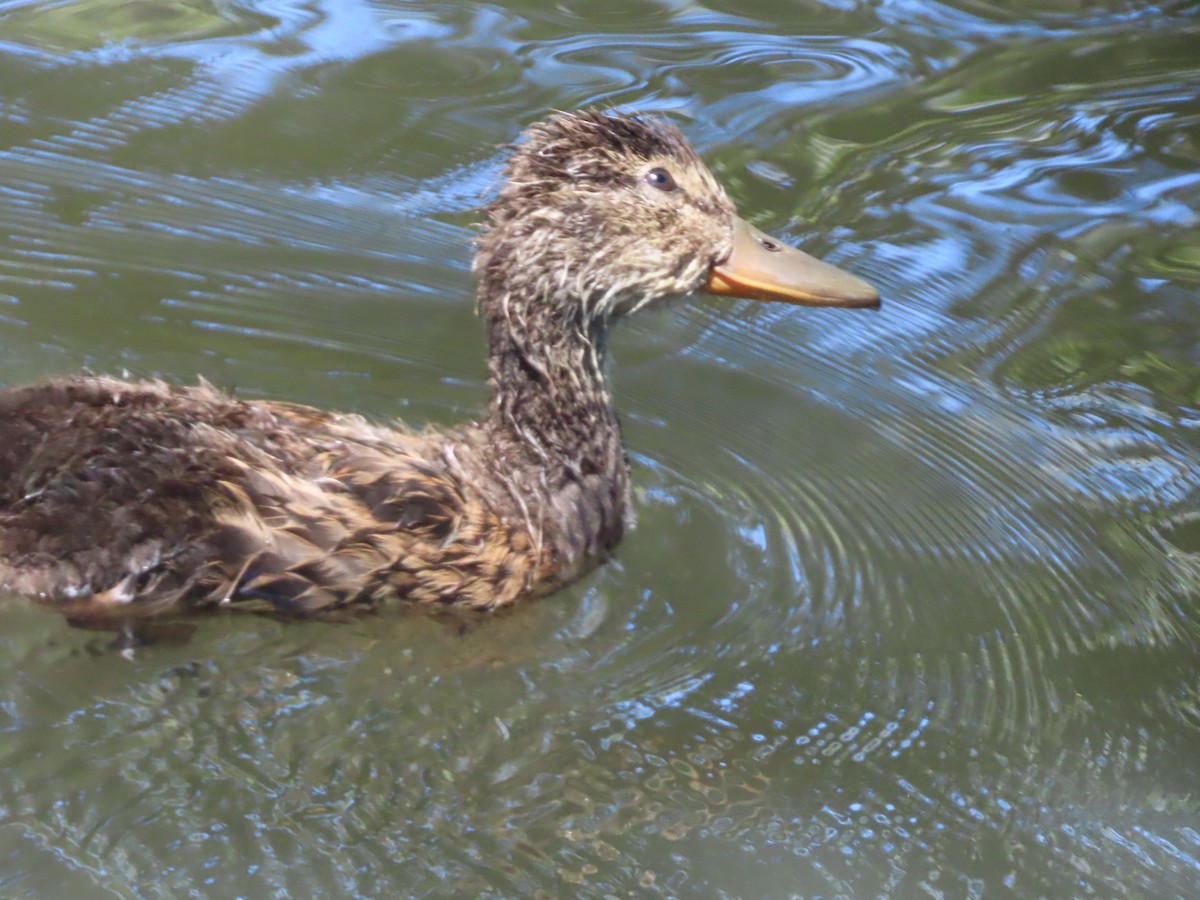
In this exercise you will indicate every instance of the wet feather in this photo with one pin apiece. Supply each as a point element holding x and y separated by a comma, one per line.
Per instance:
<point>124,499</point>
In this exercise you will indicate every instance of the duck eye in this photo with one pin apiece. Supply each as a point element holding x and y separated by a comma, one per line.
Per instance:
<point>661,179</point>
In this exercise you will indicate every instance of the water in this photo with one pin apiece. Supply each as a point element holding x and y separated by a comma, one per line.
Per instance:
<point>913,607</point>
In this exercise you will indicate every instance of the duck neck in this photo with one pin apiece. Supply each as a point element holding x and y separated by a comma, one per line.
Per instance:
<point>555,439</point>
<point>549,393</point>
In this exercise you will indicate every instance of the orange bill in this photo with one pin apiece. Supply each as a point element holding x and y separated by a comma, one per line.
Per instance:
<point>761,268</point>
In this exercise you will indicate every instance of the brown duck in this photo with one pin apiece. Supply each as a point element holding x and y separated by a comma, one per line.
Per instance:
<point>125,499</point>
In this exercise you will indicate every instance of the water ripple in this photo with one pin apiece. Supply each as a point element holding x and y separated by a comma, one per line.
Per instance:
<point>911,607</point>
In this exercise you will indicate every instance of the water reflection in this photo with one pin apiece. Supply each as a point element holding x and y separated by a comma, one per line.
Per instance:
<point>912,603</point>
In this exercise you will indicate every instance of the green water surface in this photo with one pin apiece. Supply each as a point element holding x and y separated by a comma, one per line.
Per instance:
<point>913,607</point>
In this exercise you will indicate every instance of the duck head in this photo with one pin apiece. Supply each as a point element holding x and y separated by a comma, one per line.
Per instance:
<point>602,214</point>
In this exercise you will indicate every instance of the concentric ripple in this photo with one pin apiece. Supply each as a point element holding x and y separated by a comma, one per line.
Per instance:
<point>911,608</point>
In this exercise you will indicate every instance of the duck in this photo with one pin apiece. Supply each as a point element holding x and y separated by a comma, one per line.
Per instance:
<point>121,499</point>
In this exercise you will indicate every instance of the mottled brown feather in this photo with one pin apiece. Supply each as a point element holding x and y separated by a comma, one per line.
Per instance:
<point>122,499</point>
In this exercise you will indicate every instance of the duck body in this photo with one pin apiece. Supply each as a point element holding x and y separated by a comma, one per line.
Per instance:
<point>125,499</point>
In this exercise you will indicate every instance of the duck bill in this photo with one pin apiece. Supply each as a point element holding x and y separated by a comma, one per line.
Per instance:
<point>761,268</point>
